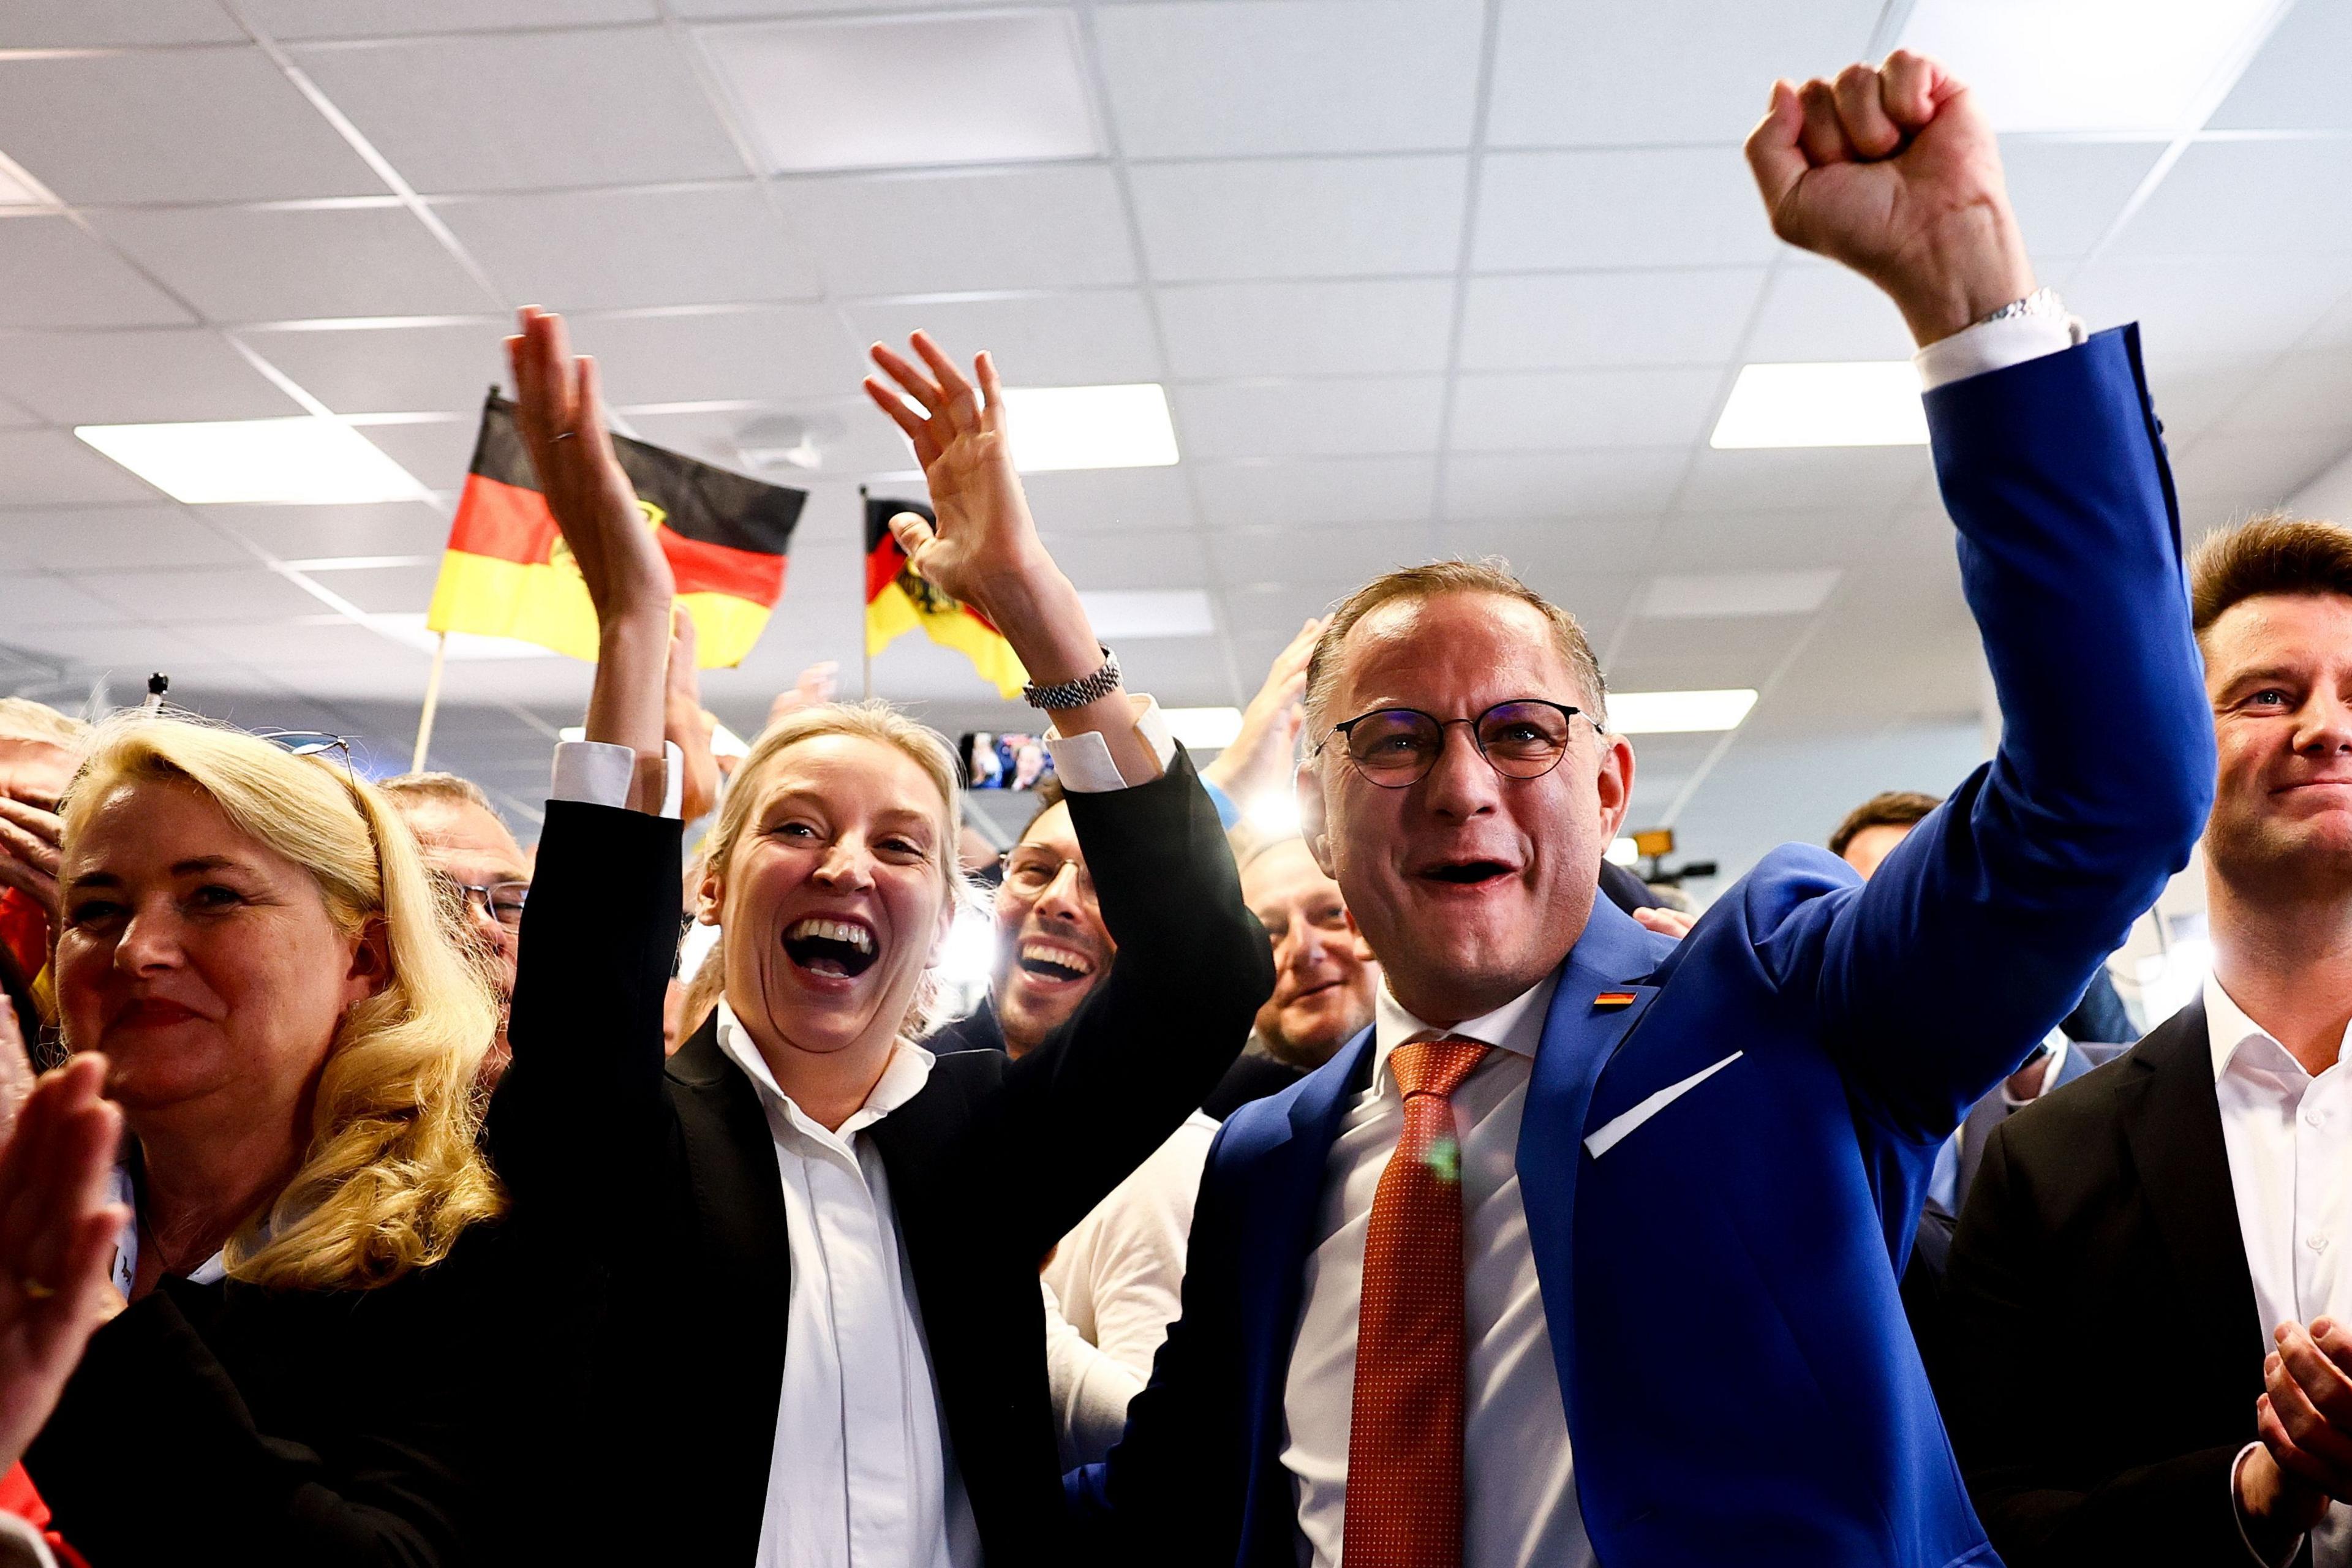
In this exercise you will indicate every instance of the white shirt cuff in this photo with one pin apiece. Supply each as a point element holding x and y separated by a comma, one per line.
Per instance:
<point>598,772</point>
<point>2239,1514</point>
<point>1082,762</point>
<point>1994,345</point>
<point>21,1545</point>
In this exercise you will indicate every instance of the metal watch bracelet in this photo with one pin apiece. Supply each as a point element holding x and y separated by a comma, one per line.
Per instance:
<point>1076,693</point>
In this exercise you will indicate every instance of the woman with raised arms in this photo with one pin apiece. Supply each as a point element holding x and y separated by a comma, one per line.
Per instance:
<point>816,1244</point>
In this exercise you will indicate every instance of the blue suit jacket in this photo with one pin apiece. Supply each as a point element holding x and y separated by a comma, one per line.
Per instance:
<point>1719,1282</point>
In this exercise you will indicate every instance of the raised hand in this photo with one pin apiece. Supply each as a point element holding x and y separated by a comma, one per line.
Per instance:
<point>684,722</point>
<point>814,688</point>
<point>1894,171</point>
<point>29,851</point>
<point>1260,760</point>
<point>56,1232</point>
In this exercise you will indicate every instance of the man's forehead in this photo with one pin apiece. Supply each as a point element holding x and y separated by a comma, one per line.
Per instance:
<point>2307,631</point>
<point>1053,828</point>
<point>1409,643</point>
<point>461,827</point>
<point>1284,871</point>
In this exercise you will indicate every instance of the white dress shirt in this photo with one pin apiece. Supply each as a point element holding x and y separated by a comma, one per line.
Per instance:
<point>2289,1137</point>
<point>1519,1488</point>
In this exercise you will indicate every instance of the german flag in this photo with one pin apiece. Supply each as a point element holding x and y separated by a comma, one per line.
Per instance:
<point>508,573</point>
<point>898,600</point>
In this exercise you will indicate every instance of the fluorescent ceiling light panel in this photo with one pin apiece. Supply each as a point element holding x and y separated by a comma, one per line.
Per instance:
<point>910,92</point>
<point>1149,612</point>
<point>409,630</point>
<point>1677,712</point>
<point>1091,428</point>
<point>2093,65</point>
<point>1855,403</point>
<point>1695,595</point>
<point>302,460</point>
<point>1203,729</point>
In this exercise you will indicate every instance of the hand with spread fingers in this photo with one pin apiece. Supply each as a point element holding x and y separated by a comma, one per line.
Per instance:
<point>57,1231</point>
<point>1895,171</point>
<point>1263,758</point>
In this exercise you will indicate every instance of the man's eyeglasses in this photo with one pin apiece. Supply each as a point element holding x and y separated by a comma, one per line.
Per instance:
<point>1396,747</point>
<point>310,744</point>
<point>1030,869</point>
<point>502,901</point>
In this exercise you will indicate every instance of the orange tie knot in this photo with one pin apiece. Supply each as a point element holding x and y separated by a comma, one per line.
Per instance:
<point>1434,1067</point>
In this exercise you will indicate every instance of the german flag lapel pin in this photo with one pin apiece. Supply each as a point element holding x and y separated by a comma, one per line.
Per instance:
<point>1607,1000</point>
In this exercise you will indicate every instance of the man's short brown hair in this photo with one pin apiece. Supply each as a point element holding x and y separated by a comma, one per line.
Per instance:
<point>2270,552</point>
<point>1491,575</point>
<point>1895,808</point>
<point>446,788</point>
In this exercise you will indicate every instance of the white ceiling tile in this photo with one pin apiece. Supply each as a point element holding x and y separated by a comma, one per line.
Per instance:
<point>1356,554</point>
<point>2243,304</point>
<point>2240,197</point>
<point>435,454</point>
<point>1216,77</point>
<point>123,652</point>
<point>850,436</point>
<point>293,650</point>
<point>2295,82</point>
<point>393,369</point>
<point>1300,494</point>
<point>1526,486</point>
<point>1814,313</point>
<point>245,263</point>
<point>2192,391</point>
<point>777,352</point>
<point>2067,193</point>
<point>1549,411</point>
<point>1574,561</point>
<point>383,590</point>
<point>1118,501</point>
<point>43,466</point>
<point>303,533</point>
<point>1607,319</point>
<point>1801,477</point>
<point>701,9</point>
<point>1386,327</point>
<point>165,597</point>
<point>15,414</point>
<point>1669,206</point>
<point>1265,617</point>
<point>31,600</point>
<point>1673,70</point>
<point>986,87</point>
<point>131,378</point>
<point>1097,337</point>
<point>612,249</point>
<point>1332,418</point>
<point>179,125</point>
<point>864,230</point>
<point>300,19</point>
<point>529,110</point>
<point>1300,217</point>
<point>88,24</point>
<point>1796,537</point>
<point>152,536</point>
<point>1711,597</point>
<point>2302,391</point>
<point>1129,559</point>
<point>60,277</point>
<point>2225,477</point>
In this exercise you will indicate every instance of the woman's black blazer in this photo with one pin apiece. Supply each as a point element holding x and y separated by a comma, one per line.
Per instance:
<point>661,1177</point>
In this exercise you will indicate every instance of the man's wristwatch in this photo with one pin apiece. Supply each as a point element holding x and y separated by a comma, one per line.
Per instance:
<point>2043,301</point>
<point>1076,693</point>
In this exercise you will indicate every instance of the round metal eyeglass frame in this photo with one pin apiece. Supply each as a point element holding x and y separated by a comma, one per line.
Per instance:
<point>1410,769</point>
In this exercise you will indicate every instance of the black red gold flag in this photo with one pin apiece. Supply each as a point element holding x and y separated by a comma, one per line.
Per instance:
<point>508,573</point>
<point>898,600</point>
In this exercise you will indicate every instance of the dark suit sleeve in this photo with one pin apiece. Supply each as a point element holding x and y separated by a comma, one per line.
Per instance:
<point>1153,1037</point>
<point>2008,1375</point>
<point>154,1456</point>
<point>2034,870</point>
<point>581,1106</point>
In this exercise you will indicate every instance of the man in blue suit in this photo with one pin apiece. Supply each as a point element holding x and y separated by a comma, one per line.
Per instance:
<point>1611,1276</point>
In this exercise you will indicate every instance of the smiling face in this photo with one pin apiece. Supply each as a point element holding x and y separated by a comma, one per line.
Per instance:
<point>472,847</point>
<point>832,899</point>
<point>1323,970</point>
<point>1470,885</point>
<point>2278,669</point>
<point>205,965</point>
<point>1051,945</point>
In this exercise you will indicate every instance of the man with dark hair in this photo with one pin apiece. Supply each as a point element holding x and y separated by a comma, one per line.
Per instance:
<point>1586,1250</point>
<point>1877,826</point>
<point>2189,1205</point>
<point>481,870</point>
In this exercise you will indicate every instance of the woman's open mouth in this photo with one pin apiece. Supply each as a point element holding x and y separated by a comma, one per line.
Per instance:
<point>842,949</point>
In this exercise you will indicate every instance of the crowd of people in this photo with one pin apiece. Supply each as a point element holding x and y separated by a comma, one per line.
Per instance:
<point>1411,1191</point>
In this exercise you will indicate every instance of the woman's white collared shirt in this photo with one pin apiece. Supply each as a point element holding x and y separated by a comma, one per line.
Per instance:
<point>861,1475</point>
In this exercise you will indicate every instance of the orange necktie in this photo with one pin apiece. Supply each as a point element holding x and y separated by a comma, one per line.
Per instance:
<point>1404,1441</point>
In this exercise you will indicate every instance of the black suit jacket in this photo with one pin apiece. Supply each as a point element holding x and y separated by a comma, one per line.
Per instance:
<point>2100,1349</point>
<point>667,1176</point>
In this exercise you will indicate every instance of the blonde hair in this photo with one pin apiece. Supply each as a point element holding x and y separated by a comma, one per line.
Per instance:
<point>393,1171</point>
<point>884,725</point>
<point>22,718</point>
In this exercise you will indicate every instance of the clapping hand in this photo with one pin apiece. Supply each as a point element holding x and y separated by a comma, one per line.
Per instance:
<point>29,837</point>
<point>56,1233</point>
<point>2305,1409</point>
<point>1895,171</point>
<point>1261,759</point>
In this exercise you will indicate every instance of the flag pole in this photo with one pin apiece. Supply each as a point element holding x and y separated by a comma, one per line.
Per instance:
<point>431,702</point>
<point>865,648</point>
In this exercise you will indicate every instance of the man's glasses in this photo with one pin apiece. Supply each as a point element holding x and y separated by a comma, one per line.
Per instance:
<point>310,744</point>
<point>502,901</point>
<point>1396,747</point>
<point>1030,869</point>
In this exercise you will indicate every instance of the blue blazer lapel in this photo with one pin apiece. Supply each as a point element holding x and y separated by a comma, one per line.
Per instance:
<point>1286,1183</point>
<point>1615,954</point>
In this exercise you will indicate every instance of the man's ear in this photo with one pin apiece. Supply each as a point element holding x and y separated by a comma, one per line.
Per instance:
<point>1614,784</point>
<point>371,969</point>
<point>1308,788</point>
